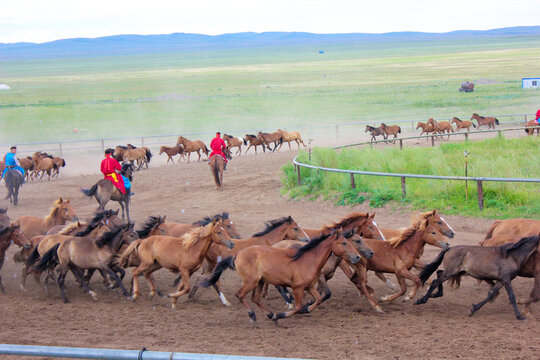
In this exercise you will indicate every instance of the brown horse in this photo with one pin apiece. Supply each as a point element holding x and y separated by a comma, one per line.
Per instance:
<point>445,127</point>
<point>57,160</point>
<point>297,269</point>
<point>288,136</point>
<point>426,128</point>
<point>184,255</point>
<point>462,124</point>
<point>375,131</point>
<point>60,213</point>
<point>4,218</point>
<point>42,164</point>
<point>233,142</point>
<point>172,151</point>
<point>217,164</point>
<point>254,141</point>
<point>7,235</point>
<point>104,190</point>
<point>267,139</point>
<point>179,229</point>
<point>192,146</point>
<point>364,222</point>
<point>531,131</point>
<point>79,253</point>
<point>28,165</point>
<point>390,130</point>
<point>140,155</point>
<point>500,264</point>
<point>490,121</point>
<point>146,159</point>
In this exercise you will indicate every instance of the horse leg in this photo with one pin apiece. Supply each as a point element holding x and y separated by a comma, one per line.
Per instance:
<point>116,278</point>
<point>2,264</point>
<point>437,283</point>
<point>298,293</point>
<point>385,280</point>
<point>183,288</point>
<point>122,207</point>
<point>415,279</point>
<point>256,298</point>
<point>403,290</point>
<point>286,295</point>
<point>61,283</point>
<point>491,295</point>
<point>241,295</point>
<point>534,296</point>
<point>126,201</point>
<point>199,153</point>
<point>359,279</point>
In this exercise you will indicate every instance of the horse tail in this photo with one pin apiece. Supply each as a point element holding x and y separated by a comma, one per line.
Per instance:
<point>122,259</point>
<point>215,172</point>
<point>148,155</point>
<point>50,258</point>
<point>496,121</point>
<point>91,191</point>
<point>63,162</point>
<point>431,267</point>
<point>399,129</point>
<point>34,256</point>
<point>228,262</point>
<point>206,151</point>
<point>245,141</point>
<point>489,234</point>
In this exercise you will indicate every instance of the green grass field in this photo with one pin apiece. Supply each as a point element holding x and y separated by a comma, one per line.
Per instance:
<point>498,157</point>
<point>263,88</point>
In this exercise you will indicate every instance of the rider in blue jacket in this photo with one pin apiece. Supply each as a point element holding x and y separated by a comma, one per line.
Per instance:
<point>12,162</point>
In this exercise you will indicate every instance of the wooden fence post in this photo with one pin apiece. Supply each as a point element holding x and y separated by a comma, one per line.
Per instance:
<point>480,195</point>
<point>432,141</point>
<point>337,130</point>
<point>353,185</point>
<point>298,175</point>
<point>60,149</point>
<point>403,188</point>
<point>400,144</point>
<point>466,137</point>
<point>102,144</point>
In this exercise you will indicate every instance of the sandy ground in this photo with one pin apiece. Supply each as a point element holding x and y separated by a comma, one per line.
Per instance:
<point>343,327</point>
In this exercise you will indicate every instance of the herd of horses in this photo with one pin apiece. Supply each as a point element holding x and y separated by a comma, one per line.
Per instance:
<point>293,259</point>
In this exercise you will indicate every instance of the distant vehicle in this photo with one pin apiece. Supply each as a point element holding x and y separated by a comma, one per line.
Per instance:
<point>466,87</point>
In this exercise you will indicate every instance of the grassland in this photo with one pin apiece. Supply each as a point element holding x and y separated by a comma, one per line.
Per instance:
<point>263,88</point>
<point>498,157</point>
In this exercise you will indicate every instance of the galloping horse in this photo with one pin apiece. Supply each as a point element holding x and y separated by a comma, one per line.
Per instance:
<point>297,269</point>
<point>254,141</point>
<point>139,155</point>
<point>184,255</point>
<point>28,165</point>
<point>14,180</point>
<point>390,130</point>
<point>7,235</point>
<point>426,128</point>
<point>104,190</point>
<point>531,131</point>
<point>375,131</point>
<point>146,159</point>
<point>490,121</point>
<point>42,164</point>
<point>192,146</point>
<point>445,127</point>
<point>60,213</point>
<point>217,163</point>
<point>288,136</point>
<point>172,151</point>
<point>267,139</point>
<point>58,161</point>
<point>463,124</point>
<point>234,142</point>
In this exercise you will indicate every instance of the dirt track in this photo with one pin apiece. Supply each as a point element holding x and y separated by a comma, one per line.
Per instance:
<point>343,327</point>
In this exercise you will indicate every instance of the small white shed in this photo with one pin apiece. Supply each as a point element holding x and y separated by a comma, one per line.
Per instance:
<point>4,87</point>
<point>530,83</point>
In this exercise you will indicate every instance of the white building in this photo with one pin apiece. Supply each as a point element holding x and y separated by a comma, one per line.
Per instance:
<point>4,87</point>
<point>528,83</point>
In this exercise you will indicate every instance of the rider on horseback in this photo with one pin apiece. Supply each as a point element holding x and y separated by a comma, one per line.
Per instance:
<point>12,162</point>
<point>218,146</point>
<point>111,168</point>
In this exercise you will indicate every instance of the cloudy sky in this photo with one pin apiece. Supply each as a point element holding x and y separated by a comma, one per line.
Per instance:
<point>40,21</point>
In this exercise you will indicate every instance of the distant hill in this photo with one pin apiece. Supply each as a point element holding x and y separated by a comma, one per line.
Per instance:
<point>179,42</point>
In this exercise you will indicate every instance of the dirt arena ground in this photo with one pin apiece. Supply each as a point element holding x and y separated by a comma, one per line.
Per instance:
<point>345,327</point>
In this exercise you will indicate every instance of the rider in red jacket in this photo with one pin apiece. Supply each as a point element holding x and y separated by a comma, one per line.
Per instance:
<point>111,170</point>
<point>218,146</point>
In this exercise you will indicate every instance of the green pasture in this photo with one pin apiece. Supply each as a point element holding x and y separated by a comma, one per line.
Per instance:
<point>498,157</point>
<point>268,87</point>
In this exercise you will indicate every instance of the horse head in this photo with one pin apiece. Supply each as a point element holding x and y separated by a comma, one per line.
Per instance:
<point>442,226</point>
<point>433,237</point>
<point>344,248</point>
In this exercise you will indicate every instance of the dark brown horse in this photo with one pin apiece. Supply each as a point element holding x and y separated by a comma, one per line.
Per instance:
<point>530,131</point>
<point>7,235</point>
<point>104,190</point>
<point>272,138</point>
<point>490,121</point>
<point>499,264</point>
<point>254,141</point>
<point>375,131</point>
<point>217,164</point>
<point>390,130</point>
<point>297,269</point>
<point>14,181</point>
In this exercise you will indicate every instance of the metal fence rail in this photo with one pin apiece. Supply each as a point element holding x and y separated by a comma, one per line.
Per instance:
<point>112,354</point>
<point>479,180</point>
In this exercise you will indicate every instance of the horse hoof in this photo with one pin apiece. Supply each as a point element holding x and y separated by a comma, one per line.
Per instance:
<point>22,288</point>
<point>93,295</point>
<point>151,295</point>
<point>290,306</point>
<point>383,298</point>
<point>173,306</point>
<point>379,310</point>
<point>406,298</point>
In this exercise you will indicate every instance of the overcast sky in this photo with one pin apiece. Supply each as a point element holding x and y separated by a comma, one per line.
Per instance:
<point>46,20</point>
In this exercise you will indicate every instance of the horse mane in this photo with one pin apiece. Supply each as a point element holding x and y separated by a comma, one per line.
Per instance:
<point>4,230</point>
<point>208,219</point>
<point>251,135</point>
<point>505,249</point>
<point>54,210</point>
<point>69,228</point>
<point>405,233</point>
<point>273,224</point>
<point>190,238</point>
<point>310,245</point>
<point>92,224</point>
<point>346,221</point>
<point>148,225</point>
<point>123,147</point>
<point>132,146</point>
<point>106,238</point>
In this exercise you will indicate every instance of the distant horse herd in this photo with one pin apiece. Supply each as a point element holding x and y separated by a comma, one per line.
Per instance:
<point>283,254</point>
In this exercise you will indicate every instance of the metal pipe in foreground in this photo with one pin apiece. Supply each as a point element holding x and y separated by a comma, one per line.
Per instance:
<point>112,354</point>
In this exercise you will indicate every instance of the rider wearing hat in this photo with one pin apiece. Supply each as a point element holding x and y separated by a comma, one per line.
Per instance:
<point>12,162</point>
<point>110,168</point>
<point>218,146</point>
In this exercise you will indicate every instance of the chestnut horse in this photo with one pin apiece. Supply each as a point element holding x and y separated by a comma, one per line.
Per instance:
<point>7,235</point>
<point>445,127</point>
<point>28,165</point>
<point>146,159</point>
<point>57,160</point>
<point>462,124</point>
<point>78,253</point>
<point>297,269</point>
<point>426,128</point>
<point>139,155</point>
<point>288,136</point>
<point>233,142</point>
<point>60,213</point>
<point>254,141</point>
<point>217,164</point>
<point>172,151</point>
<point>42,164</point>
<point>375,131</point>
<point>192,146</point>
<point>184,255</point>
<point>531,131</point>
<point>267,139</point>
<point>390,130</point>
<point>179,229</point>
<point>490,121</point>
<point>500,264</point>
